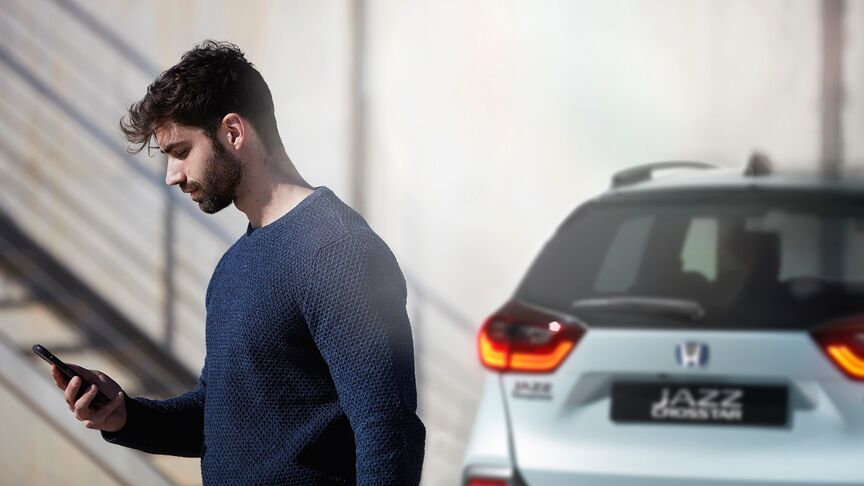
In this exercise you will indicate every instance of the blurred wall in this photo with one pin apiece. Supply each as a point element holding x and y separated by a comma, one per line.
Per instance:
<point>481,125</point>
<point>853,94</point>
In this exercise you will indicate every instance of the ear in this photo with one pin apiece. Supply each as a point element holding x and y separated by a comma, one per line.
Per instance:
<point>234,130</point>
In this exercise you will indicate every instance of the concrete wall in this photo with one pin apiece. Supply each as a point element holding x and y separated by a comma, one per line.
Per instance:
<point>853,113</point>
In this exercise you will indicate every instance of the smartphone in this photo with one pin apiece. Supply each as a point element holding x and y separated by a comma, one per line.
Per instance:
<point>99,400</point>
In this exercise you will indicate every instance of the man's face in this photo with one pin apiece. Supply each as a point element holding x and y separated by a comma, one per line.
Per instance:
<point>201,166</point>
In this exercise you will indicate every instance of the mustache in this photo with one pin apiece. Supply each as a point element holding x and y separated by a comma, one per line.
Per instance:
<point>190,186</point>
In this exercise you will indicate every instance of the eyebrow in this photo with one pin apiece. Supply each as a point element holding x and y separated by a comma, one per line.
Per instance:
<point>171,146</point>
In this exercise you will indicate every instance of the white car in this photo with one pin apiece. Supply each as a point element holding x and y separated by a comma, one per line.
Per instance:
<point>697,329</point>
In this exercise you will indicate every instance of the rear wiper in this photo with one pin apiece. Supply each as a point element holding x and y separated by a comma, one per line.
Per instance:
<point>645,305</point>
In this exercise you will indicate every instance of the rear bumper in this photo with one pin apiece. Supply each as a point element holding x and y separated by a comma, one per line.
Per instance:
<point>691,455</point>
<point>547,478</point>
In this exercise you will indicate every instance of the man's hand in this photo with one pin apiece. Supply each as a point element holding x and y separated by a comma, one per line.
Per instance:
<point>110,417</point>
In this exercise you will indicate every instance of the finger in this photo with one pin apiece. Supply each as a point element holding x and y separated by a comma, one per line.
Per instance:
<point>82,406</point>
<point>59,379</point>
<point>72,391</point>
<point>88,375</point>
<point>106,410</point>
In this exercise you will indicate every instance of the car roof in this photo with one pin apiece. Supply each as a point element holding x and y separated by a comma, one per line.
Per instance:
<point>737,179</point>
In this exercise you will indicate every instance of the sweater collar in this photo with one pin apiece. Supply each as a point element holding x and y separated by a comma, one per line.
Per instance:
<point>318,193</point>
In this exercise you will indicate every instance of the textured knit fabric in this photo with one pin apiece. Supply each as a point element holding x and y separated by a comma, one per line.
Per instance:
<point>309,372</point>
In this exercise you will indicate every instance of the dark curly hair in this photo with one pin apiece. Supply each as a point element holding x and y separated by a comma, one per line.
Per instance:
<point>210,81</point>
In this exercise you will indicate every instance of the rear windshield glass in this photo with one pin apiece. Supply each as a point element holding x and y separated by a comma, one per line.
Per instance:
<point>771,262</point>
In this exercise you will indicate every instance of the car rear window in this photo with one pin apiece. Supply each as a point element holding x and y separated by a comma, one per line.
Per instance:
<point>766,261</point>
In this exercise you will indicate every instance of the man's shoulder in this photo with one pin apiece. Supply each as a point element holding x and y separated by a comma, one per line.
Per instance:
<point>321,223</point>
<point>332,222</point>
<point>343,237</point>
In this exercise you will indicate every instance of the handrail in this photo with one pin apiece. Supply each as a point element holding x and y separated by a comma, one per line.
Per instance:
<point>104,139</point>
<point>110,38</point>
<point>71,298</point>
<point>112,237</point>
<point>79,162</point>
<point>172,294</point>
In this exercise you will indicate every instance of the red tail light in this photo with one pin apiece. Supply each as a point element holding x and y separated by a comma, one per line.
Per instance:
<point>479,475</point>
<point>524,339</point>
<point>843,342</point>
<point>487,482</point>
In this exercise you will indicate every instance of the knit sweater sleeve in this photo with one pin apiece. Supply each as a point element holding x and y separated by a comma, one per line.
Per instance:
<point>174,426</point>
<point>355,309</point>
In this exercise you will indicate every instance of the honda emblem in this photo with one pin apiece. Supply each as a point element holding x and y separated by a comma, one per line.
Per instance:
<point>692,354</point>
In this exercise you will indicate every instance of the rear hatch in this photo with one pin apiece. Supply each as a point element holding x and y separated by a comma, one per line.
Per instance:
<point>713,340</point>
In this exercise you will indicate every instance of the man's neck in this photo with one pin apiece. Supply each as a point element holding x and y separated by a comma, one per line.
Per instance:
<point>271,187</point>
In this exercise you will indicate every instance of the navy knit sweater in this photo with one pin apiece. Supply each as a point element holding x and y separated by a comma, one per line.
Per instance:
<point>309,374</point>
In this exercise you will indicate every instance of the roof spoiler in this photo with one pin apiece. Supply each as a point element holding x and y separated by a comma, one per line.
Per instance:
<point>641,173</point>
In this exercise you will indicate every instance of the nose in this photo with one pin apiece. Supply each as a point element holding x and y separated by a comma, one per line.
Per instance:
<point>174,173</point>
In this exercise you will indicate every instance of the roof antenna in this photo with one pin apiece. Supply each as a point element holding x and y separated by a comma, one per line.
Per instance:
<point>758,165</point>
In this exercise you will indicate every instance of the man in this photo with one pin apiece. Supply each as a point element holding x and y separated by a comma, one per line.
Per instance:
<point>309,372</point>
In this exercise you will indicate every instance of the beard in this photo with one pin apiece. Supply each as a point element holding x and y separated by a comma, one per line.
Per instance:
<point>218,186</point>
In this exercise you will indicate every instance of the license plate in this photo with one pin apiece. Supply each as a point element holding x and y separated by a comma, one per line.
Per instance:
<point>700,403</point>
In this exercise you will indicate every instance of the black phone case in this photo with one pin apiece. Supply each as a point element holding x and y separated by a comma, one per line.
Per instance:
<point>99,400</point>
